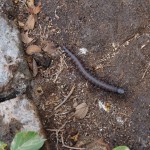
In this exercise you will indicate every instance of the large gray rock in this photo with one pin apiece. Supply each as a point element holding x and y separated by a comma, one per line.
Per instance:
<point>18,112</point>
<point>14,73</point>
<point>16,115</point>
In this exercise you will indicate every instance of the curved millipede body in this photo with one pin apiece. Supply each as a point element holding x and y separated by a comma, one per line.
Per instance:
<point>90,78</point>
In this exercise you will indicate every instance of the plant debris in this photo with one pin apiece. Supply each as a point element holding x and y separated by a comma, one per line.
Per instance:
<point>35,68</point>
<point>50,48</point>
<point>21,24</point>
<point>30,3</point>
<point>37,8</point>
<point>32,8</point>
<point>29,25</point>
<point>25,38</point>
<point>81,111</point>
<point>32,49</point>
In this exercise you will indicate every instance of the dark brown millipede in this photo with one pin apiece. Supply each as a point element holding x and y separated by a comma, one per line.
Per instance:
<point>89,77</point>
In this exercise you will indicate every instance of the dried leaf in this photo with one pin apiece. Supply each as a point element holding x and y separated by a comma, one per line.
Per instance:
<point>30,22</point>
<point>33,49</point>
<point>35,9</point>
<point>75,104</point>
<point>81,111</point>
<point>30,3</point>
<point>50,48</point>
<point>38,8</point>
<point>15,1</point>
<point>25,38</point>
<point>21,24</point>
<point>30,9</point>
<point>35,68</point>
<point>44,42</point>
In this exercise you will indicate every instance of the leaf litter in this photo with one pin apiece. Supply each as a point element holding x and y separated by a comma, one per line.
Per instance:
<point>32,8</point>
<point>37,8</point>
<point>32,49</point>
<point>81,111</point>
<point>29,25</point>
<point>21,24</point>
<point>50,48</point>
<point>35,68</point>
<point>25,38</point>
<point>30,3</point>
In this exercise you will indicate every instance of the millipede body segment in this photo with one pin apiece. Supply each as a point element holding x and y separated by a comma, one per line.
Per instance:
<point>89,77</point>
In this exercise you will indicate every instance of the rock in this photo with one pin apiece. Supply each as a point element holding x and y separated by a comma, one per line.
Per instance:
<point>16,115</point>
<point>14,73</point>
<point>18,112</point>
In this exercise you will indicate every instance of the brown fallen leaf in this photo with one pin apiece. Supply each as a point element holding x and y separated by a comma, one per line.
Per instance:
<point>30,23</point>
<point>25,38</point>
<point>21,24</point>
<point>44,42</point>
<point>37,8</point>
<point>35,68</point>
<point>75,104</point>
<point>81,111</point>
<point>32,49</point>
<point>50,48</point>
<point>30,3</point>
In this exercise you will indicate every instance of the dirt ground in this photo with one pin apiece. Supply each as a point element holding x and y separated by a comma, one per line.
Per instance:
<point>116,35</point>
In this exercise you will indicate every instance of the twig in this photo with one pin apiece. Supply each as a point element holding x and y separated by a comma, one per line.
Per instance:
<point>54,130</point>
<point>61,53</point>
<point>69,147</point>
<point>62,139</point>
<point>72,89</point>
<point>60,129</point>
<point>146,70</point>
<point>58,7</point>
<point>60,69</point>
<point>57,132</point>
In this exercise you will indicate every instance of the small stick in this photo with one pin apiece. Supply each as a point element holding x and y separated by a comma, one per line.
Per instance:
<point>60,69</point>
<point>72,89</point>
<point>57,132</point>
<point>146,70</point>
<point>54,130</point>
